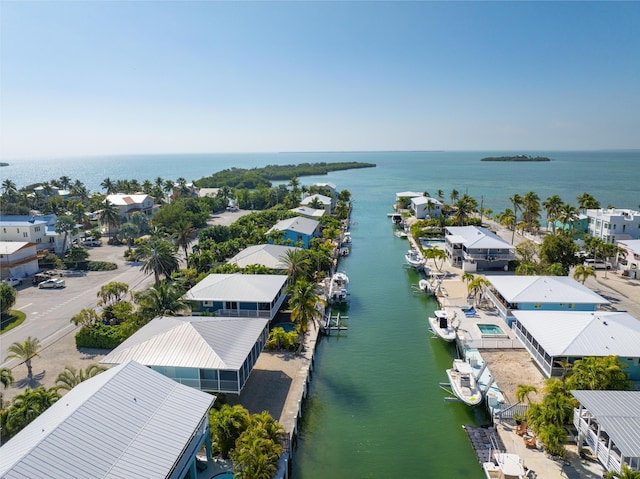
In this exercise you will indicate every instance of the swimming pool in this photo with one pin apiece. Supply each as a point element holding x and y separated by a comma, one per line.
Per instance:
<point>490,330</point>
<point>288,327</point>
<point>224,475</point>
<point>429,242</point>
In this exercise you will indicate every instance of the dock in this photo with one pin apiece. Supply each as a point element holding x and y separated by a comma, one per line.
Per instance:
<point>484,441</point>
<point>333,323</point>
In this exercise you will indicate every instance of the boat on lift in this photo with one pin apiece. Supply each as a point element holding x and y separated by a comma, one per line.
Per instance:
<point>442,325</point>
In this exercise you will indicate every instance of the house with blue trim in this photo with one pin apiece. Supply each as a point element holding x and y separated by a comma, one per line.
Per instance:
<point>540,293</point>
<point>238,295</point>
<point>269,255</point>
<point>473,248</point>
<point>297,231</point>
<point>210,354</point>
<point>326,202</point>
<point>129,421</point>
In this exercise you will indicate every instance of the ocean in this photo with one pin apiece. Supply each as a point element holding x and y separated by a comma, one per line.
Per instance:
<point>375,408</point>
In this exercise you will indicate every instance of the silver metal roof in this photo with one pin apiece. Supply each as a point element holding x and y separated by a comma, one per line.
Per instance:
<point>618,412</point>
<point>191,342</point>
<point>308,211</point>
<point>325,200</point>
<point>262,288</point>
<point>129,421</point>
<point>299,224</point>
<point>269,255</point>
<point>544,289</point>
<point>570,333</point>
<point>479,238</point>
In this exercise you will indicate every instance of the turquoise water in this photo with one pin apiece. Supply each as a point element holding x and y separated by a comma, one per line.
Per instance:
<point>490,329</point>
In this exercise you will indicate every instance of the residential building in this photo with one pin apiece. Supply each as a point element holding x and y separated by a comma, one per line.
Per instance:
<point>540,293</point>
<point>238,295</point>
<point>473,248</point>
<point>608,422</point>
<point>18,259</point>
<point>631,262</point>
<point>552,337</point>
<point>330,187</point>
<point>210,354</point>
<point>38,229</point>
<point>307,212</point>
<point>269,255</point>
<point>128,421</point>
<point>325,202</point>
<point>130,204</point>
<point>614,224</point>
<point>577,228</point>
<point>425,207</point>
<point>297,230</point>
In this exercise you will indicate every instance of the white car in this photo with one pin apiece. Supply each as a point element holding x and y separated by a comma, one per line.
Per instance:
<point>52,283</point>
<point>597,264</point>
<point>11,281</point>
<point>91,242</point>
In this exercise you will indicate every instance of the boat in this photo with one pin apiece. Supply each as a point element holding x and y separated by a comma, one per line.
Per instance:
<point>346,239</point>
<point>442,325</point>
<point>401,234</point>
<point>396,219</point>
<point>413,259</point>
<point>344,251</point>
<point>338,292</point>
<point>463,383</point>
<point>505,466</point>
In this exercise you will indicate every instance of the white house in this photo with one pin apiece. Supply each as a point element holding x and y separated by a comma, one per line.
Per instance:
<point>473,248</point>
<point>632,258</point>
<point>18,259</point>
<point>614,224</point>
<point>269,255</point>
<point>38,229</point>
<point>326,202</point>
<point>307,212</point>
<point>425,207</point>
<point>128,421</point>
<point>130,204</point>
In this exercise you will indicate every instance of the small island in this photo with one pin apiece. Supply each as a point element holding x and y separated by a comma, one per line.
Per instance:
<point>4,164</point>
<point>516,158</point>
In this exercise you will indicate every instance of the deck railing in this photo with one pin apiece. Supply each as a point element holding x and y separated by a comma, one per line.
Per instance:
<point>608,458</point>
<point>493,343</point>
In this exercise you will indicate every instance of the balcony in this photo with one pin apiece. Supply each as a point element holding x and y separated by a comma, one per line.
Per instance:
<point>596,439</point>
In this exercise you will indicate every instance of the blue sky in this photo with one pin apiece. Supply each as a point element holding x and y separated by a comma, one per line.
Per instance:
<point>80,78</point>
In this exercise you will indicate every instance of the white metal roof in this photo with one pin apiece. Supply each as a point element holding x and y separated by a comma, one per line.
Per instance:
<point>544,289</point>
<point>572,333</point>
<point>618,412</point>
<point>269,255</point>
<point>479,238</point>
<point>325,200</point>
<point>191,342</point>
<point>423,200</point>
<point>327,184</point>
<point>633,245</point>
<point>11,247</point>
<point>299,224</point>
<point>408,194</point>
<point>307,211</point>
<point>129,421</point>
<point>261,288</point>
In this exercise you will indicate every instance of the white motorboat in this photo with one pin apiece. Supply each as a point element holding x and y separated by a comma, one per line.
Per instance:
<point>505,466</point>
<point>396,219</point>
<point>413,259</point>
<point>401,234</point>
<point>463,383</point>
<point>338,292</point>
<point>442,325</point>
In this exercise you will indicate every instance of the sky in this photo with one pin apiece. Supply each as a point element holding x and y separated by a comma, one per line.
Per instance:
<point>91,78</point>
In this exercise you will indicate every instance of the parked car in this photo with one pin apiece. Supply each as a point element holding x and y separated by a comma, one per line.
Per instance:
<point>11,281</point>
<point>597,263</point>
<point>91,242</point>
<point>72,272</point>
<point>52,283</point>
<point>39,278</point>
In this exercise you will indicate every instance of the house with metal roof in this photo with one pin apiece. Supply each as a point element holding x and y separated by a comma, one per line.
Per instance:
<point>238,295</point>
<point>631,262</point>
<point>608,422</point>
<point>129,204</point>
<point>269,255</point>
<point>128,421</point>
<point>425,207</point>
<point>210,354</point>
<point>326,202</point>
<point>297,230</point>
<point>552,337</point>
<point>540,293</point>
<point>311,213</point>
<point>38,229</point>
<point>473,248</point>
<point>18,259</point>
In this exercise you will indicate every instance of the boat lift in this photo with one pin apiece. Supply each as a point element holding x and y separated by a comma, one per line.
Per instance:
<point>333,323</point>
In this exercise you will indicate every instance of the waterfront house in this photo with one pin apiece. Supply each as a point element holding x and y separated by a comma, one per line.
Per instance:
<point>552,337</point>
<point>631,261</point>
<point>307,212</point>
<point>473,248</point>
<point>424,207</point>
<point>210,354</point>
<point>269,255</point>
<point>38,229</point>
<point>608,422</point>
<point>614,224</point>
<point>331,188</point>
<point>130,204</point>
<point>297,230</point>
<point>325,202</point>
<point>238,295</point>
<point>577,228</point>
<point>18,259</point>
<point>403,199</point>
<point>540,293</point>
<point>128,421</point>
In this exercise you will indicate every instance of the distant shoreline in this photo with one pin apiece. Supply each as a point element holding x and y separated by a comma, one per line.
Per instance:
<point>516,158</point>
<point>4,164</point>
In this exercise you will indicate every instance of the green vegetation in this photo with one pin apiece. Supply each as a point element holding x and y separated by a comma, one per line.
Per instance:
<point>12,319</point>
<point>7,298</point>
<point>281,339</point>
<point>24,409</point>
<point>25,351</point>
<point>516,158</point>
<point>256,177</point>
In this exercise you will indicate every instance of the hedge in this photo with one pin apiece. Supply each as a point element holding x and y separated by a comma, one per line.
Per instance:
<point>101,337</point>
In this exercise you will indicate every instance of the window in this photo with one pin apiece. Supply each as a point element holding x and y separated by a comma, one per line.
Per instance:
<point>39,240</point>
<point>207,303</point>
<point>572,306</point>
<point>25,234</point>
<point>537,305</point>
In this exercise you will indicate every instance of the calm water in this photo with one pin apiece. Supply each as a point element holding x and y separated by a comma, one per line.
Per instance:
<point>376,410</point>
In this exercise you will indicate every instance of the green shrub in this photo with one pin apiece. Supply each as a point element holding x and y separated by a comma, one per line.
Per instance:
<point>101,266</point>
<point>101,337</point>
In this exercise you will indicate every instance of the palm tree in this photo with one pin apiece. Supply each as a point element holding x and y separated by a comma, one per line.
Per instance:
<point>582,272</point>
<point>6,377</point>
<point>109,216</point>
<point>523,391</point>
<point>587,202</point>
<point>70,377</point>
<point>129,232</point>
<point>297,264</point>
<point>467,277</point>
<point>26,350</point>
<point>108,185</point>
<point>227,424</point>
<point>552,206</point>
<point>454,195</point>
<point>28,406</point>
<point>475,287</point>
<point>507,218</point>
<point>625,473</point>
<point>162,299</point>
<point>516,200</point>
<point>303,304</point>
<point>531,211</point>
<point>465,207</point>
<point>112,292</point>
<point>8,186</point>
<point>158,256</point>
<point>567,215</point>
<point>436,254</point>
<point>184,233</point>
<point>64,225</point>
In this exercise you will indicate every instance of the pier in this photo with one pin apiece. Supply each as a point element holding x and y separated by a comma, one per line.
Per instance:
<point>484,441</point>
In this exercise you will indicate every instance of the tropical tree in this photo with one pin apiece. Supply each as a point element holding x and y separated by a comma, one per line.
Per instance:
<point>162,299</point>
<point>255,456</point>
<point>129,232</point>
<point>523,391</point>
<point>184,233</point>
<point>567,215</point>
<point>476,286</point>
<point>516,201</point>
<point>108,185</point>
<point>465,207</point>
<point>6,378</point>
<point>112,292</point>
<point>25,351</point>
<point>109,216</point>
<point>552,206</point>
<point>70,377</point>
<point>582,272</point>
<point>86,318</point>
<point>141,221</point>
<point>297,264</point>
<point>28,406</point>
<point>158,257</point>
<point>527,269</point>
<point>437,255</point>
<point>467,277</point>
<point>64,225</point>
<point>559,249</point>
<point>587,202</point>
<point>303,303</point>
<point>625,473</point>
<point>527,251</point>
<point>507,219</point>
<point>7,298</point>
<point>227,424</point>
<point>454,195</point>
<point>8,186</point>
<point>599,373</point>
<point>531,211</point>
